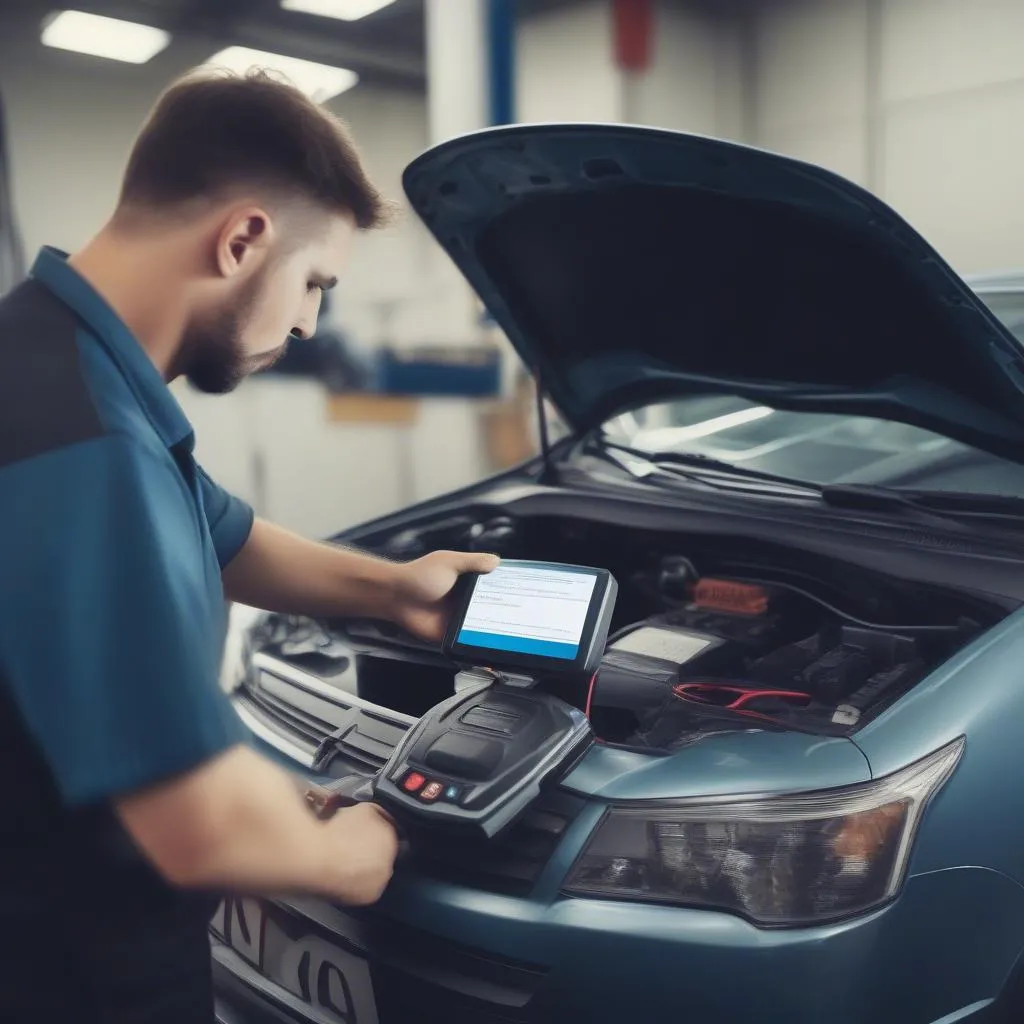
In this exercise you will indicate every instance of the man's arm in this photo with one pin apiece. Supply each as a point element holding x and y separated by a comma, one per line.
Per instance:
<point>280,571</point>
<point>131,661</point>
<point>283,572</point>
<point>239,822</point>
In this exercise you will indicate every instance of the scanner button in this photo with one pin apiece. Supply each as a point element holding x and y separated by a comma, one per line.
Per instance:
<point>413,782</point>
<point>464,756</point>
<point>493,718</point>
<point>431,791</point>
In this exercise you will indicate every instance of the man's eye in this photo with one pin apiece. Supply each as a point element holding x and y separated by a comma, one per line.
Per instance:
<point>312,287</point>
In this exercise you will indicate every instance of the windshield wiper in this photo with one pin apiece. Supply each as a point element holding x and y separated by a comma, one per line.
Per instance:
<point>678,462</point>
<point>941,509</point>
<point>942,506</point>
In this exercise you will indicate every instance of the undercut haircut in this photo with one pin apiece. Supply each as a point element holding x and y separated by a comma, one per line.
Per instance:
<point>214,132</point>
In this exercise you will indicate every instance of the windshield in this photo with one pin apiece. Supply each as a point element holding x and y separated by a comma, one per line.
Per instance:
<point>827,449</point>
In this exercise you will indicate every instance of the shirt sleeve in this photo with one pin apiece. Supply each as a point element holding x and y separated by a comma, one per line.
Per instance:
<point>109,639</point>
<point>229,517</point>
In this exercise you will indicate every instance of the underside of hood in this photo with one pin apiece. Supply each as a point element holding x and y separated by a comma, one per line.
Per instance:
<point>632,265</point>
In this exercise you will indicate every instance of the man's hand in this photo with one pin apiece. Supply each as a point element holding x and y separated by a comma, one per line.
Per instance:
<point>365,844</point>
<point>423,590</point>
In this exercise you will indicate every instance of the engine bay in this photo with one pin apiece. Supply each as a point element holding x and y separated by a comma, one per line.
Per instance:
<point>737,654</point>
<point>709,634</point>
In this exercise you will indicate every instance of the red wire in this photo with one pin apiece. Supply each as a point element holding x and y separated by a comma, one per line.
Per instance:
<point>590,694</point>
<point>742,694</point>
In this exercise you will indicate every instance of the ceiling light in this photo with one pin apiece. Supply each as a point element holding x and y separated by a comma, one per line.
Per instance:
<point>104,37</point>
<point>346,10</point>
<point>318,81</point>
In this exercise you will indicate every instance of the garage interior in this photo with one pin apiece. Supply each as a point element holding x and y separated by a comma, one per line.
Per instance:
<point>411,391</point>
<point>913,99</point>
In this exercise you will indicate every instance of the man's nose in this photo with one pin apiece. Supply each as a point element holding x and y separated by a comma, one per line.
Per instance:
<point>305,327</point>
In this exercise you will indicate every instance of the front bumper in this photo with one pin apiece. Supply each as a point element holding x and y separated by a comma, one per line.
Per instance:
<point>942,952</point>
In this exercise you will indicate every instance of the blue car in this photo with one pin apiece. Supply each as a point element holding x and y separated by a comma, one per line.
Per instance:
<point>796,438</point>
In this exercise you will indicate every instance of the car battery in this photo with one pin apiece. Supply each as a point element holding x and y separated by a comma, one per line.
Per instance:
<point>640,667</point>
<point>722,627</point>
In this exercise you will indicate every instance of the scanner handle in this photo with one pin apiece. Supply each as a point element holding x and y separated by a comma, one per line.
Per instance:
<point>324,799</point>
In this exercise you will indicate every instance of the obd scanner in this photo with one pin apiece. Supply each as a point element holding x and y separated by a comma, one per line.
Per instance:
<point>523,634</point>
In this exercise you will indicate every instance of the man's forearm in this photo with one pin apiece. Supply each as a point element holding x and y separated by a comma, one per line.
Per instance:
<point>236,822</point>
<point>281,572</point>
<point>239,823</point>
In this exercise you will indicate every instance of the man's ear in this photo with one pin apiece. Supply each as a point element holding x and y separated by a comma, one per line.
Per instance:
<point>243,241</point>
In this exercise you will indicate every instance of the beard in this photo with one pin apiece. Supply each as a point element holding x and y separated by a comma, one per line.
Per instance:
<point>214,354</point>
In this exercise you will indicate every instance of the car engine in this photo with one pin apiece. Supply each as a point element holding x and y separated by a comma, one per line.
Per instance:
<point>732,635</point>
<point>737,654</point>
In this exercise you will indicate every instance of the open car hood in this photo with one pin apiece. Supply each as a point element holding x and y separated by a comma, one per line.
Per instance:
<point>632,265</point>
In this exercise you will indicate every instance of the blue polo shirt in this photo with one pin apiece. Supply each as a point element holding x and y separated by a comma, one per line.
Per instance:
<point>112,542</point>
<point>112,616</point>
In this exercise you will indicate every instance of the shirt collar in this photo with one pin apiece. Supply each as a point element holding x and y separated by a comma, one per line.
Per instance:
<point>51,268</point>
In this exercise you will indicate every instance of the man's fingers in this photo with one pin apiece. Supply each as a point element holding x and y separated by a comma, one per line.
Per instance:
<point>384,814</point>
<point>468,561</point>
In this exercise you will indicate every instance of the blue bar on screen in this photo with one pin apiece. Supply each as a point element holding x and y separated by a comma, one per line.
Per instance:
<point>518,644</point>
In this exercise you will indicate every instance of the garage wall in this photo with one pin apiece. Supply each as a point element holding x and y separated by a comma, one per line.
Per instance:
<point>919,100</point>
<point>73,118</point>
<point>564,70</point>
<point>696,81</point>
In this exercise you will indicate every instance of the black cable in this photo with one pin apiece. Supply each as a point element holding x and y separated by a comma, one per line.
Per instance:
<point>841,614</point>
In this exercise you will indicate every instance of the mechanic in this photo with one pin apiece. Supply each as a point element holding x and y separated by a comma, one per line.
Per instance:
<point>130,796</point>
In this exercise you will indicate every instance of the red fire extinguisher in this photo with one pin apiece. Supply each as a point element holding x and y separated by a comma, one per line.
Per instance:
<point>633,33</point>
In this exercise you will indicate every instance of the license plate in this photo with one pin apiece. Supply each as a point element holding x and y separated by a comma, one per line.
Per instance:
<point>331,980</point>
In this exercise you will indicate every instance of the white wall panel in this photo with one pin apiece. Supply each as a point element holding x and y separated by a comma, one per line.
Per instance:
<point>840,147</point>
<point>935,136</point>
<point>811,60</point>
<point>320,477</point>
<point>680,90</point>
<point>933,47</point>
<point>564,68</point>
<point>952,167</point>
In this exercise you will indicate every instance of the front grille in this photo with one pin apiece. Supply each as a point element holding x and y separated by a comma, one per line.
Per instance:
<point>320,721</point>
<point>366,745</point>
<point>402,998</point>
<point>509,865</point>
<point>421,977</point>
<point>308,730</point>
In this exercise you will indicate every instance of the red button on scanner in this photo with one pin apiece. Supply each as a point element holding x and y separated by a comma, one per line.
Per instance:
<point>413,782</point>
<point>432,791</point>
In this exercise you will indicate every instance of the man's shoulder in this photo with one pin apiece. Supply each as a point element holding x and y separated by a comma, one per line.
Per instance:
<point>46,402</point>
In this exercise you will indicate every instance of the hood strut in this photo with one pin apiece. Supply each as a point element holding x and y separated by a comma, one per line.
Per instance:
<point>542,429</point>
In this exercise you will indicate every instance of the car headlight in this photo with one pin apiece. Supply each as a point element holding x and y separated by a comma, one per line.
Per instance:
<point>778,861</point>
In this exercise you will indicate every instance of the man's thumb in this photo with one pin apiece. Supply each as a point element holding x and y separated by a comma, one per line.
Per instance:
<point>477,562</point>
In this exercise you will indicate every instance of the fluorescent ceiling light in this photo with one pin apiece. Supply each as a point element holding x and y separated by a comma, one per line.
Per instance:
<point>318,81</point>
<point>346,10</point>
<point>104,37</point>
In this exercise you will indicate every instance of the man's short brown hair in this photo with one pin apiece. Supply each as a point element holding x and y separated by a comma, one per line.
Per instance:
<point>212,132</point>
